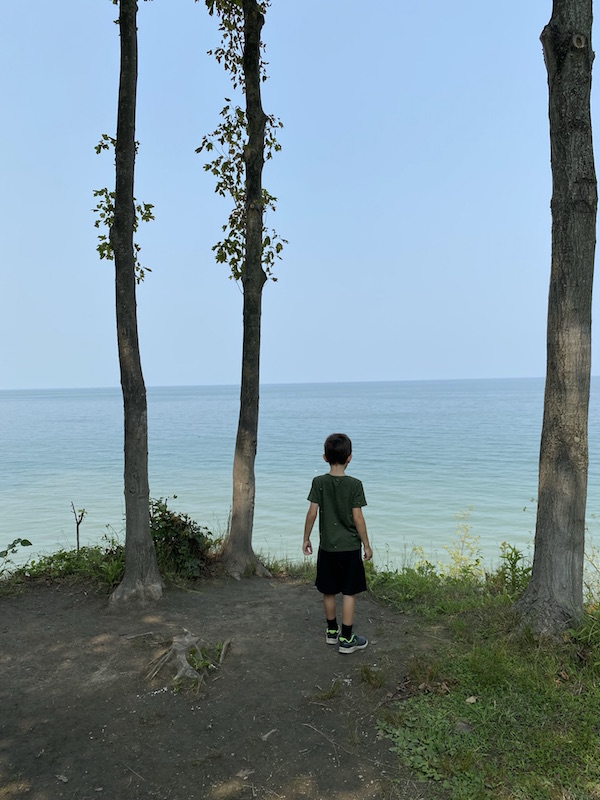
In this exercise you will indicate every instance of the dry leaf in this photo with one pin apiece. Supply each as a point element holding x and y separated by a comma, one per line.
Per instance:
<point>471,699</point>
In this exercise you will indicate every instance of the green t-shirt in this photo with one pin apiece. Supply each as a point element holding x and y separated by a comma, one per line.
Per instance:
<point>336,497</point>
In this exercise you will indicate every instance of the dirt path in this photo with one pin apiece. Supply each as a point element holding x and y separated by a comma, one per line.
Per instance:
<point>80,720</point>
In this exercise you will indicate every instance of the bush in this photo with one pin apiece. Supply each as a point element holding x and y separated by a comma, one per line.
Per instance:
<point>182,546</point>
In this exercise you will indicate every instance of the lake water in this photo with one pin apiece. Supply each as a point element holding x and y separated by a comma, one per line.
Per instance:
<point>426,451</point>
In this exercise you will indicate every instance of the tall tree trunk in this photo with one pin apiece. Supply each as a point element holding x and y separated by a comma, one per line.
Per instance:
<point>555,593</point>
<point>141,580</point>
<point>239,554</point>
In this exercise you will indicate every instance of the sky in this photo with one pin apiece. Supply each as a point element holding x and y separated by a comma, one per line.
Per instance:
<point>413,187</point>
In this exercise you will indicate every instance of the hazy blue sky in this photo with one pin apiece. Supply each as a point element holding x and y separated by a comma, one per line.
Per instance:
<point>413,186</point>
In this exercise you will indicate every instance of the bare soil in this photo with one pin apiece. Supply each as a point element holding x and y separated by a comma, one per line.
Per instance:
<point>283,716</point>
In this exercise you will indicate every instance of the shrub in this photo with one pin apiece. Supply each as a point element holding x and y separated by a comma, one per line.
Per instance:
<point>182,546</point>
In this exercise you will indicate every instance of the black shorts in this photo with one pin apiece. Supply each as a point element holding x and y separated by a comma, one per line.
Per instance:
<point>340,572</point>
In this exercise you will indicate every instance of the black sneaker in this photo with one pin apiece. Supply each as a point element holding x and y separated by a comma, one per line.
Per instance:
<point>353,643</point>
<point>331,635</point>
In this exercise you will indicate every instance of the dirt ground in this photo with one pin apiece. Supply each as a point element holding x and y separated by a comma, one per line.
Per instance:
<point>283,716</point>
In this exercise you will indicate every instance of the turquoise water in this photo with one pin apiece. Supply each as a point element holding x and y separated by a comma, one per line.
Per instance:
<point>425,451</point>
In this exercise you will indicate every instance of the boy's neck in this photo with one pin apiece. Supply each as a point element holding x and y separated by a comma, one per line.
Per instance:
<point>337,470</point>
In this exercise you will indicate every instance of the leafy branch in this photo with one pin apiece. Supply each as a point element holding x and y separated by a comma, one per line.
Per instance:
<point>227,144</point>
<point>105,214</point>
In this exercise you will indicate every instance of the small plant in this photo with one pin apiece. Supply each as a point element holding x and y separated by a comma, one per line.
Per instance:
<point>79,517</point>
<point>206,659</point>
<point>465,554</point>
<point>9,550</point>
<point>182,546</point>
<point>328,694</point>
<point>514,573</point>
<point>374,677</point>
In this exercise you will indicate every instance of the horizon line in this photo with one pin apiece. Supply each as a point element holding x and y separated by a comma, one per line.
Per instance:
<point>280,383</point>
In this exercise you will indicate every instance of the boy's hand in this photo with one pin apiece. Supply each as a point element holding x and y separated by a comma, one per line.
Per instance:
<point>368,553</point>
<point>307,547</point>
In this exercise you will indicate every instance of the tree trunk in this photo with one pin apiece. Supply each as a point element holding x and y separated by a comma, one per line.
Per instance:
<point>141,580</point>
<point>554,597</point>
<point>239,555</point>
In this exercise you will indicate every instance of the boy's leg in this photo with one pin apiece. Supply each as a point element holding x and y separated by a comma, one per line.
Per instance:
<point>348,607</point>
<point>350,642</point>
<point>329,606</point>
<point>332,632</point>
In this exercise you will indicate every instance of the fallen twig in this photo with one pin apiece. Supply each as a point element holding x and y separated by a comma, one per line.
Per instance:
<point>352,753</point>
<point>134,772</point>
<point>226,646</point>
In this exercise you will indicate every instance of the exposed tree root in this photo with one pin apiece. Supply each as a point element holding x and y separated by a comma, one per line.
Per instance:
<point>179,651</point>
<point>242,563</point>
<point>136,591</point>
<point>239,567</point>
<point>545,618</point>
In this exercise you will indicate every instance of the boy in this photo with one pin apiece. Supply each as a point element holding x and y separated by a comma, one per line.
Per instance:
<point>338,498</point>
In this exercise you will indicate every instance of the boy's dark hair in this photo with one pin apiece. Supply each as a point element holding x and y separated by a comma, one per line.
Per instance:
<point>338,448</point>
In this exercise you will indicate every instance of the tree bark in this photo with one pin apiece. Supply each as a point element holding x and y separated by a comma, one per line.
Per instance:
<point>554,597</point>
<point>141,580</point>
<point>238,553</point>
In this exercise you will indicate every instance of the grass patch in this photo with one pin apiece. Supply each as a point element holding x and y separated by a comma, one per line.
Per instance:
<point>328,694</point>
<point>101,564</point>
<point>372,676</point>
<point>493,713</point>
<point>304,570</point>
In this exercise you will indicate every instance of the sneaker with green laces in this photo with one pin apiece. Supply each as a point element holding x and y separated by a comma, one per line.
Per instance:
<point>353,643</point>
<point>331,635</point>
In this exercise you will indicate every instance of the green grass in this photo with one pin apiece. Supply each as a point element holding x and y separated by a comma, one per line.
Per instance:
<point>304,570</point>
<point>493,712</point>
<point>102,565</point>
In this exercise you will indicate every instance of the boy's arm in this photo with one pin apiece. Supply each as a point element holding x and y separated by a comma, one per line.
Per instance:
<point>311,516</point>
<point>361,527</point>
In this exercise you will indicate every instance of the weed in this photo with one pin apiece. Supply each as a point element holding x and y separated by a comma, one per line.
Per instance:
<point>374,677</point>
<point>465,554</point>
<point>207,659</point>
<point>328,694</point>
<point>250,568</point>
<point>514,572</point>
<point>304,570</point>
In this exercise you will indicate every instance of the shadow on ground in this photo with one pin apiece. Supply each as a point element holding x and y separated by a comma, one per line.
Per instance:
<point>283,716</point>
